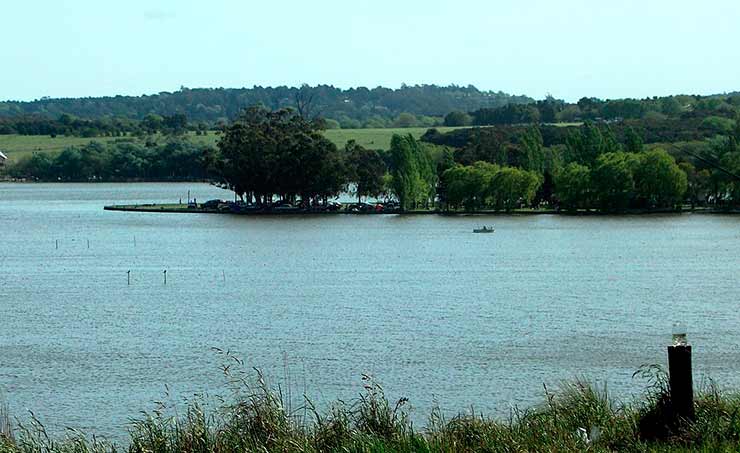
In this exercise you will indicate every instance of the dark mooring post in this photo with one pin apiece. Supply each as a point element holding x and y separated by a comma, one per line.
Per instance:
<point>679,374</point>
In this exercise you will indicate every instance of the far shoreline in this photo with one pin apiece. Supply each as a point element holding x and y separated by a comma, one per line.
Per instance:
<point>176,208</point>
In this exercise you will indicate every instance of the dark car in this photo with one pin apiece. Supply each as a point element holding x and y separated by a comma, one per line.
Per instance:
<point>212,204</point>
<point>361,207</point>
<point>333,206</point>
<point>284,207</point>
<point>390,206</point>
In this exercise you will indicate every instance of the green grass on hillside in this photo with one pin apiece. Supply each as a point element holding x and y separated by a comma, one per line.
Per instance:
<point>19,146</point>
<point>369,138</point>
<point>375,138</point>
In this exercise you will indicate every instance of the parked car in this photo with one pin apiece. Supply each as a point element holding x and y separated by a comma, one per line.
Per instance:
<point>333,206</point>
<point>284,207</point>
<point>212,204</point>
<point>241,206</point>
<point>391,206</point>
<point>361,207</point>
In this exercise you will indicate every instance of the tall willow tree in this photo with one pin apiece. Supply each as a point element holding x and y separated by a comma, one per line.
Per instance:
<point>585,145</point>
<point>534,155</point>
<point>413,172</point>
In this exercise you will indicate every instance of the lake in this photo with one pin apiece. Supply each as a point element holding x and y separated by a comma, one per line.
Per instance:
<point>437,314</point>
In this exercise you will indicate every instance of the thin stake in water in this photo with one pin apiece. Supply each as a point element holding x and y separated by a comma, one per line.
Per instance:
<point>165,276</point>
<point>128,277</point>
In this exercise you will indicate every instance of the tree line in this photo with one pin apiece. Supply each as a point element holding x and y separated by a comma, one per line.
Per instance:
<point>268,155</point>
<point>719,108</point>
<point>69,125</point>
<point>593,168</point>
<point>279,155</point>
<point>121,160</point>
<point>347,108</point>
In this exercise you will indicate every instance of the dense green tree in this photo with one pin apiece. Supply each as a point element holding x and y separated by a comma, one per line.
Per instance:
<point>95,158</point>
<point>174,124</point>
<point>512,187</point>
<point>366,170</point>
<point>670,106</point>
<point>404,120</point>
<point>469,186</point>
<point>507,114</point>
<point>729,179</point>
<point>659,181</point>
<point>549,109</point>
<point>152,123</point>
<point>69,164</point>
<point>587,143</point>
<point>573,186</point>
<point>533,152</point>
<point>38,166</point>
<point>632,141</point>
<point>266,153</point>
<point>457,118</point>
<point>613,181</point>
<point>719,125</point>
<point>413,171</point>
<point>697,189</point>
<point>460,187</point>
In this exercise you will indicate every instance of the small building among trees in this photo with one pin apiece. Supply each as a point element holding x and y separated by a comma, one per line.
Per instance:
<point>3,158</point>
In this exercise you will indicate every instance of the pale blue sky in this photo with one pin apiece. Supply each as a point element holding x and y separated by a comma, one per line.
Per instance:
<point>570,48</point>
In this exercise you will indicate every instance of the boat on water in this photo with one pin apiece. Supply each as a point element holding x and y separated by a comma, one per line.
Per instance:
<point>485,229</point>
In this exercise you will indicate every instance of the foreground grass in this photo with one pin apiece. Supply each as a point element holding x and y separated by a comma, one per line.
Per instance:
<point>256,418</point>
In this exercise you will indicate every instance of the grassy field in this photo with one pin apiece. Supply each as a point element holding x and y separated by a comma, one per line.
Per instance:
<point>19,146</point>
<point>375,138</point>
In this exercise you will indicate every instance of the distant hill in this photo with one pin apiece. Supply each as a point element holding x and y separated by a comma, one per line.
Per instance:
<point>354,107</point>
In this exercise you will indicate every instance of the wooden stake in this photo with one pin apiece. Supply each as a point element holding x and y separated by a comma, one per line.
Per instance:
<point>681,381</point>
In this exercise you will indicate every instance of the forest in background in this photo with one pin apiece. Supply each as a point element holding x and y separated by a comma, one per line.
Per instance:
<point>422,105</point>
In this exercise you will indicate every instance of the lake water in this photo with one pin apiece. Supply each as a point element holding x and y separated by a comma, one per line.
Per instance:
<point>434,312</point>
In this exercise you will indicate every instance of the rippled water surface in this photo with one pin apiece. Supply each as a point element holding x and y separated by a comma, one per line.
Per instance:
<point>436,313</point>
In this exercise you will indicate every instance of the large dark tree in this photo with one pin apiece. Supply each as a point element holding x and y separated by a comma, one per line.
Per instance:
<point>266,153</point>
<point>366,170</point>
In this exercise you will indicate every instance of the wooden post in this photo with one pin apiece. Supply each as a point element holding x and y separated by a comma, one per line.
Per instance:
<point>165,277</point>
<point>128,277</point>
<point>680,380</point>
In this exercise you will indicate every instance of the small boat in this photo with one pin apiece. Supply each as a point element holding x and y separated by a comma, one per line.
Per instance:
<point>483,230</point>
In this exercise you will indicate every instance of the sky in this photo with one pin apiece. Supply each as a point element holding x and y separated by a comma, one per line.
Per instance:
<point>567,48</point>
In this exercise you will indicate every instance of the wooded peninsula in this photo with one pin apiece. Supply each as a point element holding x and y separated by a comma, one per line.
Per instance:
<point>665,153</point>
